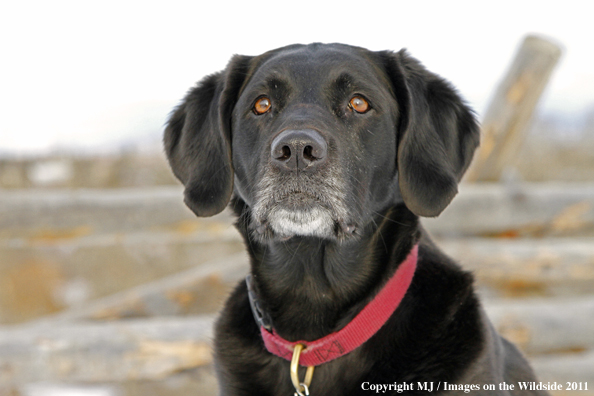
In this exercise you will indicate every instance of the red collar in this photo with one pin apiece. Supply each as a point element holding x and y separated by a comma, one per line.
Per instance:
<point>357,331</point>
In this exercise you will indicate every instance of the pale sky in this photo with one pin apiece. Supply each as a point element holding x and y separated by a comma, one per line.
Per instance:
<point>79,74</point>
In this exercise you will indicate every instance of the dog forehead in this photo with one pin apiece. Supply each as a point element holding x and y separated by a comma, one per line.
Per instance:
<point>315,64</point>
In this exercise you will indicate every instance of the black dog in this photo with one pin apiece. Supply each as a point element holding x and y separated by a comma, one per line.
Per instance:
<point>328,153</point>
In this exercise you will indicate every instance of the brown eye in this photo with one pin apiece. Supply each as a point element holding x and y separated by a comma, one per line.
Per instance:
<point>359,104</point>
<point>262,105</point>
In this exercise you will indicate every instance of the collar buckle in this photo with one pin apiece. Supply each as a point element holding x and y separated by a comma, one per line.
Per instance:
<point>260,315</point>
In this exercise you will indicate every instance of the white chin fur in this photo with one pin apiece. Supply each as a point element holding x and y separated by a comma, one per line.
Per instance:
<point>314,222</point>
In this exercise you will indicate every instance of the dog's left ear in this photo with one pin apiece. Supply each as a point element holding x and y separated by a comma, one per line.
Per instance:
<point>437,135</point>
<point>198,139</point>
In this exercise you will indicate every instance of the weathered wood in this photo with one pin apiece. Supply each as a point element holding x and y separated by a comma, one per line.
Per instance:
<point>53,271</point>
<point>152,349</point>
<point>104,352</point>
<point>540,326</point>
<point>51,217</point>
<point>38,278</point>
<point>200,381</point>
<point>199,290</point>
<point>551,267</point>
<point>510,110</point>
<point>577,367</point>
<point>503,268</point>
<point>90,170</point>
<point>530,210</point>
<point>40,215</point>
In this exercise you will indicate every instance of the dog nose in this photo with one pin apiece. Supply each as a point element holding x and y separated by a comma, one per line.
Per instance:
<point>299,149</point>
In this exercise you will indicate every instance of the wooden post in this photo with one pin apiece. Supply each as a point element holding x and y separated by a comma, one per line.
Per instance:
<point>508,115</point>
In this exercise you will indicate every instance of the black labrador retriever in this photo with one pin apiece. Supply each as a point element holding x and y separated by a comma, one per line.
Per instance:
<point>328,154</point>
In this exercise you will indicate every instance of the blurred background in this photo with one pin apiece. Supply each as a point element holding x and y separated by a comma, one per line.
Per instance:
<point>109,285</point>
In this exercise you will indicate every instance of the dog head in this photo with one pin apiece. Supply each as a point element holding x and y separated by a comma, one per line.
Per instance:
<point>316,139</point>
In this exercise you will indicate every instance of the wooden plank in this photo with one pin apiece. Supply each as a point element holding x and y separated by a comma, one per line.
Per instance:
<point>510,110</point>
<point>104,352</point>
<point>45,217</point>
<point>528,210</point>
<point>152,349</point>
<point>200,381</point>
<point>99,170</point>
<point>503,268</point>
<point>578,367</point>
<point>199,290</point>
<point>550,267</point>
<point>546,326</point>
<point>40,275</point>
<point>62,214</point>
<point>38,278</point>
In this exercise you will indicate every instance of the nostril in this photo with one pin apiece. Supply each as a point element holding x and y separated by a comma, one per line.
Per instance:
<point>308,153</point>
<point>286,153</point>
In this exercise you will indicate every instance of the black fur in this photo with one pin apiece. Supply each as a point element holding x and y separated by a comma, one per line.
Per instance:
<point>324,240</point>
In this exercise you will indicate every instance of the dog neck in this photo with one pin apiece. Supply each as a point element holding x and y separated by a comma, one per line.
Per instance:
<point>312,287</point>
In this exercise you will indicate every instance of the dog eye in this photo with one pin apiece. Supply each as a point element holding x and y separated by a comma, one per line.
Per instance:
<point>359,104</point>
<point>262,105</point>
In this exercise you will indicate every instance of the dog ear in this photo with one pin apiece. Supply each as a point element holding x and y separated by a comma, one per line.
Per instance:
<point>437,135</point>
<point>198,139</point>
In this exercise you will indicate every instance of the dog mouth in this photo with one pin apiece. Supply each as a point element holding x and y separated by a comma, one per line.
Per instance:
<point>312,212</point>
<point>300,201</point>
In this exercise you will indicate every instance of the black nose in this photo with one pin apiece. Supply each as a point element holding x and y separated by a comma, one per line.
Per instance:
<point>299,149</point>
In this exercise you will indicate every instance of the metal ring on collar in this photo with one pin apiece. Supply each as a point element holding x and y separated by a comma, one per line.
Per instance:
<point>300,386</point>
